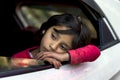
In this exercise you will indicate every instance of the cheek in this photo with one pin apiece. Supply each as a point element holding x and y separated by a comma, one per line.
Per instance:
<point>45,40</point>
<point>60,51</point>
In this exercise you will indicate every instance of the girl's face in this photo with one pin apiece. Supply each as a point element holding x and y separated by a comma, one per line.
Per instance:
<point>56,42</point>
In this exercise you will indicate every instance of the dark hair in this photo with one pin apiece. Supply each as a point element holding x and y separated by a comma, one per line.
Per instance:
<point>75,25</point>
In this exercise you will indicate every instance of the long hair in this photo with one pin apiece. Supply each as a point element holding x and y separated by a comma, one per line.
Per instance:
<point>75,25</point>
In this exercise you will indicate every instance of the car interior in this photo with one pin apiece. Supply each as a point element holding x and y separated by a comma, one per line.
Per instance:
<point>32,15</point>
<point>28,17</point>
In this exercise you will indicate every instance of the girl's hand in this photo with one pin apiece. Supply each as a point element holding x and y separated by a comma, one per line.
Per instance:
<point>52,58</point>
<point>57,64</point>
<point>58,56</point>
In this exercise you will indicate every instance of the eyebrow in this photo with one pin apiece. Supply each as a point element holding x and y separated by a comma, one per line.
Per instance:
<point>58,32</point>
<point>68,31</point>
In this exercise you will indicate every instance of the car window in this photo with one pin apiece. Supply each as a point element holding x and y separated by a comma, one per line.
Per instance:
<point>105,31</point>
<point>107,34</point>
<point>103,34</point>
<point>14,66</point>
<point>35,15</point>
<point>31,15</point>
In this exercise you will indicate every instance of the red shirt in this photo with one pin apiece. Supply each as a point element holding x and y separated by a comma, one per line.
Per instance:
<point>24,53</point>
<point>84,54</point>
<point>88,53</point>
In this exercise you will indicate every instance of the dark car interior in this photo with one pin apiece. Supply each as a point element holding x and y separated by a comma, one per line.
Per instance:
<point>19,35</point>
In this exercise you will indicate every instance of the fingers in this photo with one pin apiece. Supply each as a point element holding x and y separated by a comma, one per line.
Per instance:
<point>57,64</point>
<point>38,56</point>
<point>42,55</point>
<point>59,56</point>
<point>51,57</point>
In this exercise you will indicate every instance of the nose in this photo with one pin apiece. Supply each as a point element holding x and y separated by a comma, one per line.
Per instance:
<point>53,46</point>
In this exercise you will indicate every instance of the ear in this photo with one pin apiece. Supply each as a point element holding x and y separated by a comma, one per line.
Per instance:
<point>43,32</point>
<point>79,18</point>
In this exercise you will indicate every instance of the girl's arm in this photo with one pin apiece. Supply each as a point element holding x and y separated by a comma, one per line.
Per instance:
<point>85,54</point>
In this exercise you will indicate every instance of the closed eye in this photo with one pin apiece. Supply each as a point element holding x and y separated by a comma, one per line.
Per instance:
<point>64,47</point>
<point>53,36</point>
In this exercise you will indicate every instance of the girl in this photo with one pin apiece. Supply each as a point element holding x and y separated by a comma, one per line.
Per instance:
<point>61,36</point>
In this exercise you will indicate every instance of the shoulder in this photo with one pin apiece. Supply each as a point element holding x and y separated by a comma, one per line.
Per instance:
<point>24,53</point>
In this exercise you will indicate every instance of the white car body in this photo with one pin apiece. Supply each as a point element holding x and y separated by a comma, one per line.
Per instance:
<point>104,68</point>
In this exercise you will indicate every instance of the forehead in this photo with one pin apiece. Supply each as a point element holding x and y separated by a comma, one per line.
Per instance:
<point>61,27</point>
<point>66,38</point>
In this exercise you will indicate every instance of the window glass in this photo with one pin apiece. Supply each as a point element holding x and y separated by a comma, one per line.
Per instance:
<point>35,15</point>
<point>13,66</point>
<point>107,35</point>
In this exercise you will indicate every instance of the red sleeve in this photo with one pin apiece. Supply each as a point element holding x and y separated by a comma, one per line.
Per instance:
<point>85,54</point>
<point>24,53</point>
